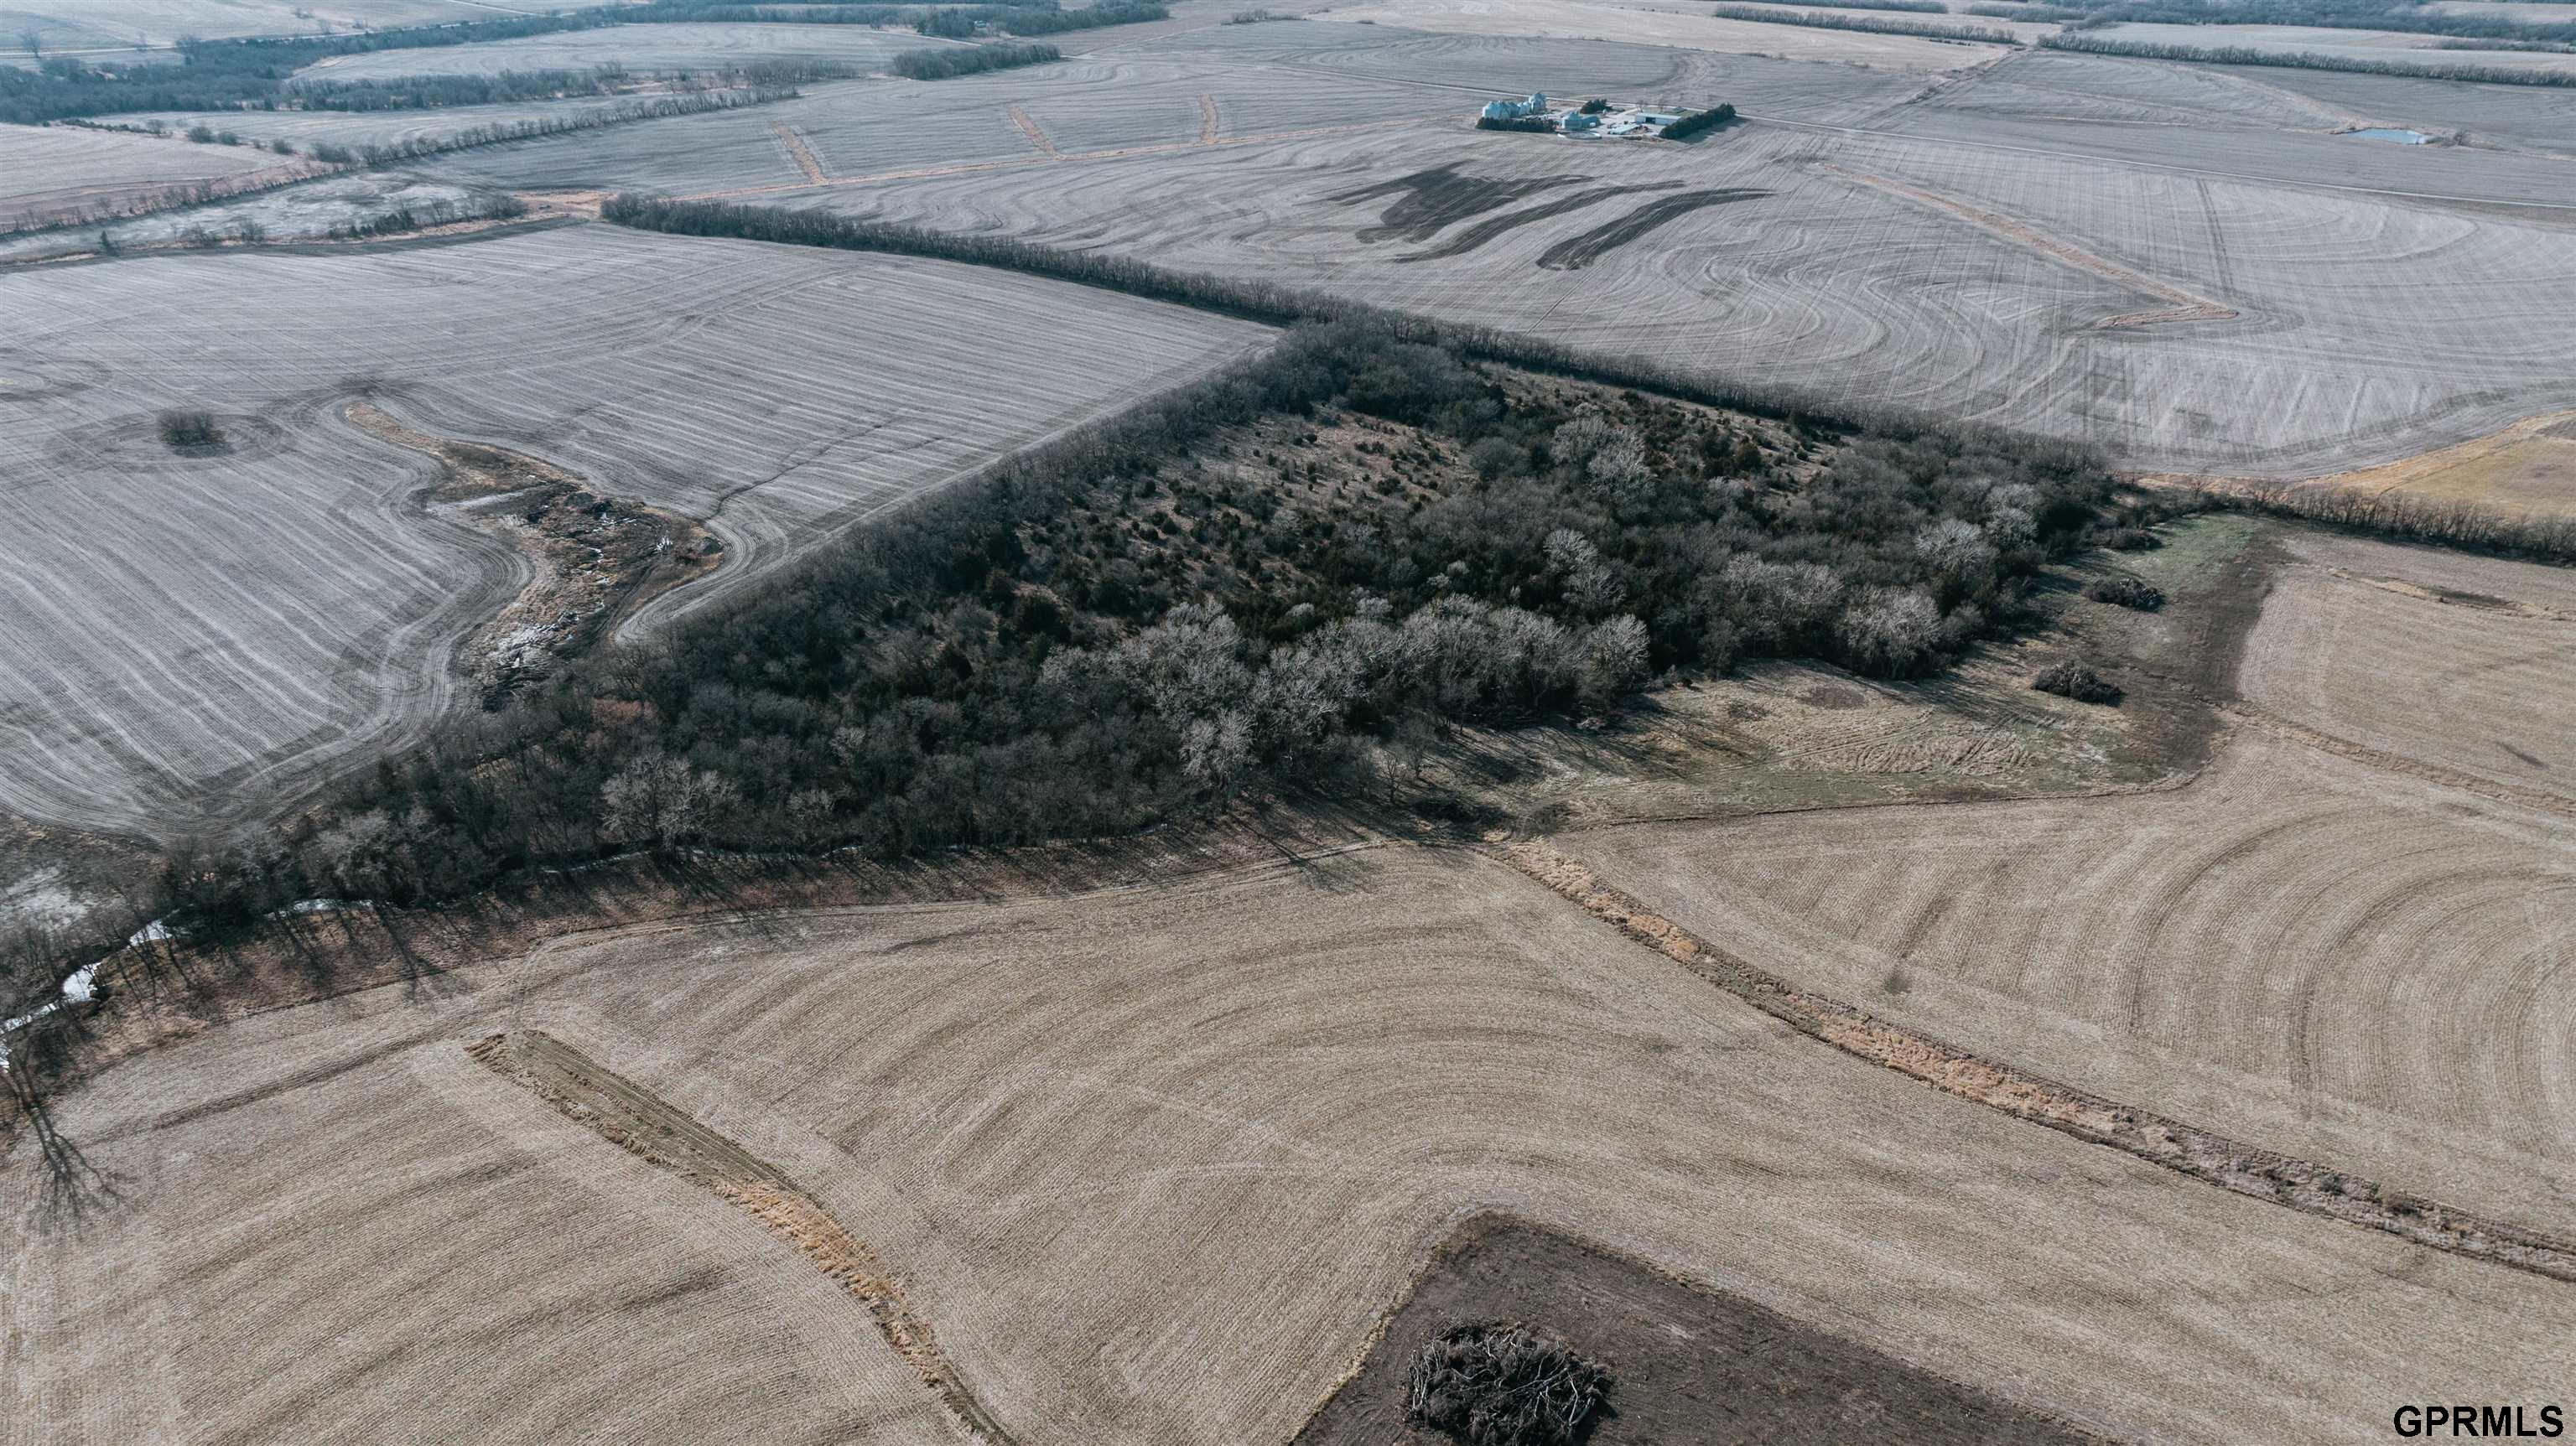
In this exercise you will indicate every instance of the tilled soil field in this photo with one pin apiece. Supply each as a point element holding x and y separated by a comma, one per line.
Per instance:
<point>1150,1164</point>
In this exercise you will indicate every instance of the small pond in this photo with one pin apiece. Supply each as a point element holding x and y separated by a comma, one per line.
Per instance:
<point>2390,133</point>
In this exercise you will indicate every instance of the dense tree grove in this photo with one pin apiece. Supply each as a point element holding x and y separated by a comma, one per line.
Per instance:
<point>1189,602</point>
<point>947,63</point>
<point>1034,20</point>
<point>1915,7</point>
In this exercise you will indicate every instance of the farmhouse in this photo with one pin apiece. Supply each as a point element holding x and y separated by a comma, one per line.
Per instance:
<point>1500,110</point>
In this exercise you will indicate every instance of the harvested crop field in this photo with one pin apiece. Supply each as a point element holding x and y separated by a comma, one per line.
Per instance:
<point>2514,116</point>
<point>193,638</point>
<point>2346,938</point>
<point>1150,1173</point>
<point>52,173</point>
<point>94,24</point>
<point>2035,291</point>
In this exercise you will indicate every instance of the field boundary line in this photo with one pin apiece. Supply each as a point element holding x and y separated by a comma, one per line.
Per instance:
<point>2185,305</point>
<point>2387,762</point>
<point>642,1123</point>
<point>2203,1155</point>
<point>1207,119</point>
<point>1050,155</point>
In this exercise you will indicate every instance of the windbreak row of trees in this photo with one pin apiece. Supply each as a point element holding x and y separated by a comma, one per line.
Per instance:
<point>2307,60</point>
<point>1911,7</point>
<point>433,92</point>
<point>499,132</point>
<point>1873,24</point>
<point>1035,21</point>
<point>962,22</point>
<point>2408,518</point>
<point>2396,15</point>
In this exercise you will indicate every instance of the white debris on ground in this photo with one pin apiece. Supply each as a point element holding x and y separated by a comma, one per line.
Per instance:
<point>81,985</point>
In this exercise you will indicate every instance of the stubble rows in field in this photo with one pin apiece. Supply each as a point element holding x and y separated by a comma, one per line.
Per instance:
<point>182,629</point>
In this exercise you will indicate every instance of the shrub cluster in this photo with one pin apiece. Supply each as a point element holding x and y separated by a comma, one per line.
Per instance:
<point>1503,1385</point>
<point>2128,592</point>
<point>2071,679</point>
<point>185,428</point>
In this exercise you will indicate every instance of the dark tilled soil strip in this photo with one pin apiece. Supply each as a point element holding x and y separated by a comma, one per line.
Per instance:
<point>1690,1365</point>
<point>1577,252</point>
<point>1484,231</point>
<point>2246,1169</point>
<point>1440,197</point>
